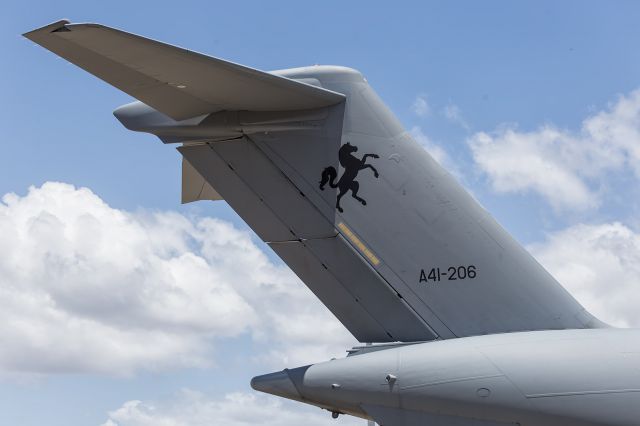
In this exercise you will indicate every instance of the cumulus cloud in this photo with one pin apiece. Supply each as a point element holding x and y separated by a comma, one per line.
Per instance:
<point>236,409</point>
<point>420,106</point>
<point>85,287</point>
<point>563,166</point>
<point>518,162</point>
<point>600,266</point>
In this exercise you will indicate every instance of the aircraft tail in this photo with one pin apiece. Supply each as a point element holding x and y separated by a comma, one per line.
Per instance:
<point>324,173</point>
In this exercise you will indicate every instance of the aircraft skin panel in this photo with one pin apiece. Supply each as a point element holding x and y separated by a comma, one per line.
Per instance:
<point>332,293</point>
<point>177,82</point>
<point>385,416</point>
<point>274,189</point>
<point>371,290</point>
<point>209,164</point>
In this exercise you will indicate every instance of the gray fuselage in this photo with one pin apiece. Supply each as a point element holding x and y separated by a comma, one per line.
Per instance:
<point>568,377</point>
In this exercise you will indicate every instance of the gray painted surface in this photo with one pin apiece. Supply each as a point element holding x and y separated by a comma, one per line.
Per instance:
<point>236,192</point>
<point>194,186</point>
<point>275,190</point>
<point>332,292</point>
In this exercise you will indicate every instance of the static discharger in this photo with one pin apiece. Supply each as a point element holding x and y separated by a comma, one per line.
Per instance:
<point>359,244</point>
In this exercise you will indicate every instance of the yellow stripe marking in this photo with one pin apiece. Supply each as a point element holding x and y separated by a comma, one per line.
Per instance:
<point>359,244</point>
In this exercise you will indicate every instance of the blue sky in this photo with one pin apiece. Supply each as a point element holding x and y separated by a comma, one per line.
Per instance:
<point>474,81</point>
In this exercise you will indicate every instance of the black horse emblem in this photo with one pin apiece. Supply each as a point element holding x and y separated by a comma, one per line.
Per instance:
<point>352,166</point>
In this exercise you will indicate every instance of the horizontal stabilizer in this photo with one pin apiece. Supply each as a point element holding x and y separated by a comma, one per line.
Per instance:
<point>177,82</point>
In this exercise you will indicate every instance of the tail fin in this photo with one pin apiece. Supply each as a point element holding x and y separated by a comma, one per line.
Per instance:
<point>411,247</point>
<point>411,250</point>
<point>406,255</point>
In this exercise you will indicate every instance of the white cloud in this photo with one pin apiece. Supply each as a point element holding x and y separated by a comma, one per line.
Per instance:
<point>453,114</point>
<point>420,106</point>
<point>600,266</point>
<point>88,288</point>
<point>516,162</point>
<point>236,409</point>
<point>563,166</point>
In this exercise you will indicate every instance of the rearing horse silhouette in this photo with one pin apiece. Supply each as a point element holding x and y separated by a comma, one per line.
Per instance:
<point>352,165</point>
